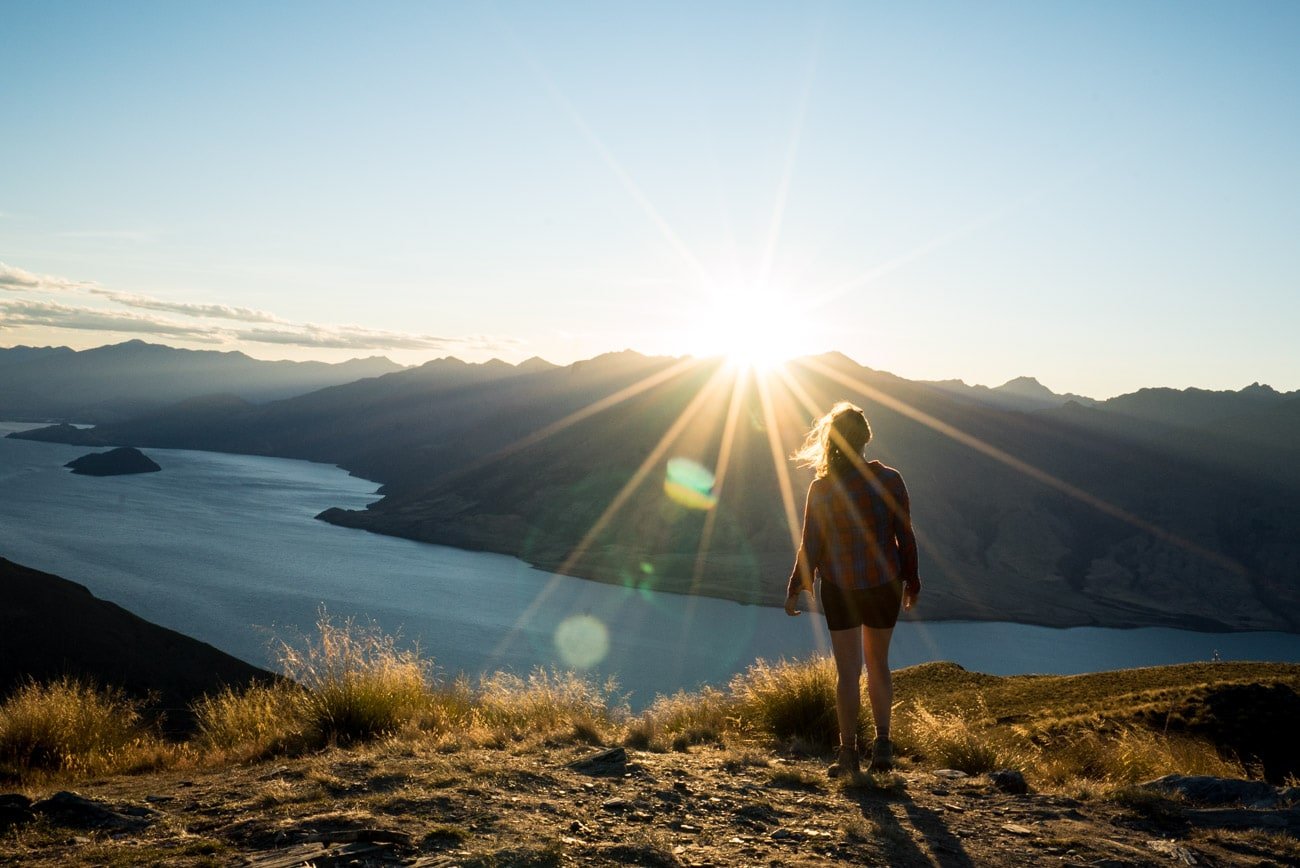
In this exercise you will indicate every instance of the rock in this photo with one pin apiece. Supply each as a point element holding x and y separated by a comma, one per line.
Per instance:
<point>950,774</point>
<point>1017,829</point>
<point>616,806</point>
<point>115,462</point>
<point>611,762</point>
<point>77,812</point>
<point>15,809</point>
<point>1009,781</point>
<point>1174,851</point>
<point>1207,790</point>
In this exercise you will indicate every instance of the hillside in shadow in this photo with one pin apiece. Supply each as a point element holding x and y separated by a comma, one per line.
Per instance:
<point>1151,510</point>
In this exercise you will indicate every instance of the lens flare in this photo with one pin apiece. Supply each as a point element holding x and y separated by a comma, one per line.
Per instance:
<point>690,484</point>
<point>582,641</point>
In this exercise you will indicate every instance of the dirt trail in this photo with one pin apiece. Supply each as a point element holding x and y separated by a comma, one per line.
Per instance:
<point>411,804</point>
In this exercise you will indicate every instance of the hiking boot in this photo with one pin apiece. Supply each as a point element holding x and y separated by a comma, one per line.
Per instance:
<point>882,755</point>
<point>846,762</point>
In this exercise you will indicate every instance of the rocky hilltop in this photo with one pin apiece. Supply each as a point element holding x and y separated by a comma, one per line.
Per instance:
<point>564,796</point>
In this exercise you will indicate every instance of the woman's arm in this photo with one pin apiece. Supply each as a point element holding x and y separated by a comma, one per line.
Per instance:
<point>906,538</point>
<point>805,560</point>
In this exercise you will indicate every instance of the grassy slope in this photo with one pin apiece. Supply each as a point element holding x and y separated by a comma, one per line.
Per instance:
<point>492,786</point>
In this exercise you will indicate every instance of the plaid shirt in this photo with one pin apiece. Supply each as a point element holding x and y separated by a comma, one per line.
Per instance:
<point>857,532</point>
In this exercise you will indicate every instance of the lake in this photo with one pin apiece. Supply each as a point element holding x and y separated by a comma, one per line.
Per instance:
<point>226,548</point>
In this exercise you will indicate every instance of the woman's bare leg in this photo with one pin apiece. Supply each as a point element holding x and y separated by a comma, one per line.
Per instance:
<point>875,647</point>
<point>846,646</point>
<point>880,684</point>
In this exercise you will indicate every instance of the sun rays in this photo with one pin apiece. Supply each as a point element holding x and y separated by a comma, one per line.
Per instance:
<point>757,326</point>
<point>721,407</point>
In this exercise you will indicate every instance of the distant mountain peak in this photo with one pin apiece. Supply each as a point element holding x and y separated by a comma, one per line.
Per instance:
<point>536,363</point>
<point>1028,387</point>
<point>1261,390</point>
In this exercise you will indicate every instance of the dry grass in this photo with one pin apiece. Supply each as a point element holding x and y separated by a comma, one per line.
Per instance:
<point>554,706</point>
<point>790,700</point>
<point>685,719</point>
<point>357,683</point>
<point>956,741</point>
<point>73,727</point>
<point>352,683</point>
<point>1125,755</point>
<point>249,724</point>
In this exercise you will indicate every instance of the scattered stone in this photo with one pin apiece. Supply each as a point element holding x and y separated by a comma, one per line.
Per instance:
<point>1174,851</point>
<point>1010,781</point>
<point>950,774</point>
<point>318,854</point>
<point>352,836</point>
<point>616,806</point>
<point>69,809</point>
<point>1275,820</point>
<point>1208,790</point>
<point>1017,829</point>
<point>604,763</point>
<point>955,808</point>
<point>15,808</point>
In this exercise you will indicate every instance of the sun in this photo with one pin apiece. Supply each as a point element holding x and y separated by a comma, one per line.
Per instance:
<point>752,329</point>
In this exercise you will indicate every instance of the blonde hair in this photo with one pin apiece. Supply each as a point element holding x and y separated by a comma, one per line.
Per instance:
<point>836,441</point>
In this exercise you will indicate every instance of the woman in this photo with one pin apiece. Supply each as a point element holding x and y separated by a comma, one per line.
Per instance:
<point>857,536</point>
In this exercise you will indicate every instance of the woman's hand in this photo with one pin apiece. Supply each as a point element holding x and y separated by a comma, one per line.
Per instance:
<point>911,590</point>
<point>791,603</point>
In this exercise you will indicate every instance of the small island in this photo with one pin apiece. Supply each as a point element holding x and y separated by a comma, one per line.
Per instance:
<point>115,462</point>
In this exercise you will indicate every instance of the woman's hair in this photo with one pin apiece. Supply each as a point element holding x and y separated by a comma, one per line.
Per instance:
<point>836,441</point>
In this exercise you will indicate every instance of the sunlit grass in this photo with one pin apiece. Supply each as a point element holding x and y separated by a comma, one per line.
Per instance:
<point>73,727</point>
<point>357,683</point>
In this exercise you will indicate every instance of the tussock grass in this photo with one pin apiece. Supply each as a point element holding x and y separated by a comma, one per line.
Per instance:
<point>1126,755</point>
<point>352,683</point>
<point>551,705</point>
<point>796,778</point>
<point>259,721</point>
<point>955,741</point>
<point>75,727</point>
<point>790,700</point>
<point>357,683</point>
<point>685,719</point>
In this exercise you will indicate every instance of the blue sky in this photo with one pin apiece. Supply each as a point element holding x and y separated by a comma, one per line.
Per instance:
<point>1104,195</point>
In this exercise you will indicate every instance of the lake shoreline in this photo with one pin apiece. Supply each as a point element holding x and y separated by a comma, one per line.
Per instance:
<point>935,606</point>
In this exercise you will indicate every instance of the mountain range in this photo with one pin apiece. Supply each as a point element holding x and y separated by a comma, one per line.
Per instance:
<point>1163,507</point>
<point>115,382</point>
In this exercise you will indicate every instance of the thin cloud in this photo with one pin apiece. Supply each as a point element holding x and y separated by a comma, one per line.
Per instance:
<point>25,312</point>
<point>16,279</point>
<point>358,338</point>
<point>202,311</point>
<point>271,330</point>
